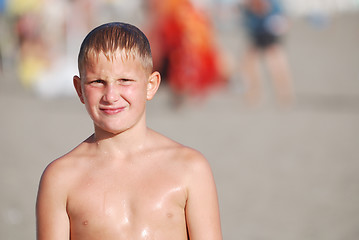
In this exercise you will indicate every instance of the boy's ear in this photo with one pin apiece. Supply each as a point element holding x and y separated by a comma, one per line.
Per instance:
<point>78,87</point>
<point>153,84</point>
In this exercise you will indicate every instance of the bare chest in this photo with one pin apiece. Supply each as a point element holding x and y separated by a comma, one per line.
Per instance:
<point>135,205</point>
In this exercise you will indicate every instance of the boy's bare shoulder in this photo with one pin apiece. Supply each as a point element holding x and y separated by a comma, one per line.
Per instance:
<point>67,160</point>
<point>178,152</point>
<point>64,167</point>
<point>186,162</point>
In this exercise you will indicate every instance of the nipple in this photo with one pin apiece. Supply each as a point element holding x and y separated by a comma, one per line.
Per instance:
<point>85,222</point>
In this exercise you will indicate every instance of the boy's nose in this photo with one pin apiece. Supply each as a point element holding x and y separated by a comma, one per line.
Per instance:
<point>111,94</point>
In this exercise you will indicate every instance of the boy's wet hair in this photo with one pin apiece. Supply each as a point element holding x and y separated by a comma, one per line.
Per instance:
<point>111,37</point>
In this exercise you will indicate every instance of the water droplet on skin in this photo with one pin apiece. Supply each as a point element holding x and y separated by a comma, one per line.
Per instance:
<point>145,234</point>
<point>125,220</point>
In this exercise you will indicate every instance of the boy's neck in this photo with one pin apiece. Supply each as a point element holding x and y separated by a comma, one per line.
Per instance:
<point>127,142</point>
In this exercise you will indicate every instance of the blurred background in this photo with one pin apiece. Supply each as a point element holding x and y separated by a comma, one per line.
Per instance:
<point>284,148</point>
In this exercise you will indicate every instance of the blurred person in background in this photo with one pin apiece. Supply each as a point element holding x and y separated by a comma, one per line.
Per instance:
<point>265,24</point>
<point>39,24</point>
<point>32,55</point>
<point>184,49</point>
<point>64,24</point>
<point>35,25</point>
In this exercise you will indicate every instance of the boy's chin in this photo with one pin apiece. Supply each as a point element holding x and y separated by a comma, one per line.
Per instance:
<point>114,131</point>
<point>109,131</point>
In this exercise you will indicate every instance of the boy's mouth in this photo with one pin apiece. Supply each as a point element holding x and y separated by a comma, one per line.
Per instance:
<point>112,111</point>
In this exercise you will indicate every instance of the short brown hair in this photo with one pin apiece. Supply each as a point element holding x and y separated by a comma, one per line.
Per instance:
<point>110,37</point>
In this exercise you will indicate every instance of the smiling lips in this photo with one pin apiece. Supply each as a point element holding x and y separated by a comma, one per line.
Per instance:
<point>112,111</point>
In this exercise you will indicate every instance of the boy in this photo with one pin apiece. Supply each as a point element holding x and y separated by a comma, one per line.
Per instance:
<point>125,181</point>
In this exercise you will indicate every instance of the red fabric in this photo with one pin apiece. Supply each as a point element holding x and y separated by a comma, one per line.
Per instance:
<point>186,42</point>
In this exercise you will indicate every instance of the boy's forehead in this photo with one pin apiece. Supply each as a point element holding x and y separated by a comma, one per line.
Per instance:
<point>124,55</point>
<point>119,55</point>
<point>92,57</point>
<point>96,61</point>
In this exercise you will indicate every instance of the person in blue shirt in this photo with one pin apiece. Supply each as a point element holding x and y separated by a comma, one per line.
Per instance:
<point>265,24</point>
<point>264,21</point>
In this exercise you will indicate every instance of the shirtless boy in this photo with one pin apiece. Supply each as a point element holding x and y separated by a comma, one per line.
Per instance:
<point>125,182</point>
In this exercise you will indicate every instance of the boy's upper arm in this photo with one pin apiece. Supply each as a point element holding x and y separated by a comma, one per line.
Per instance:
<point>202,210</point>
<point>51,215</point>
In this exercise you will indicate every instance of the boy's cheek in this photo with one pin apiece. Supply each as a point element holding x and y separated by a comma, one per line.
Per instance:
<point>90,91</point>
<point>89,97</point>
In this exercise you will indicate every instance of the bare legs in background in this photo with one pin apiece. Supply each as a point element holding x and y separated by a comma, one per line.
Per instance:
<point>278,68</point>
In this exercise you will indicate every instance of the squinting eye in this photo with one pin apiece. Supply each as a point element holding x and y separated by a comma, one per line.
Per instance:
<point>96,82</point>
<point>125,81</point>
